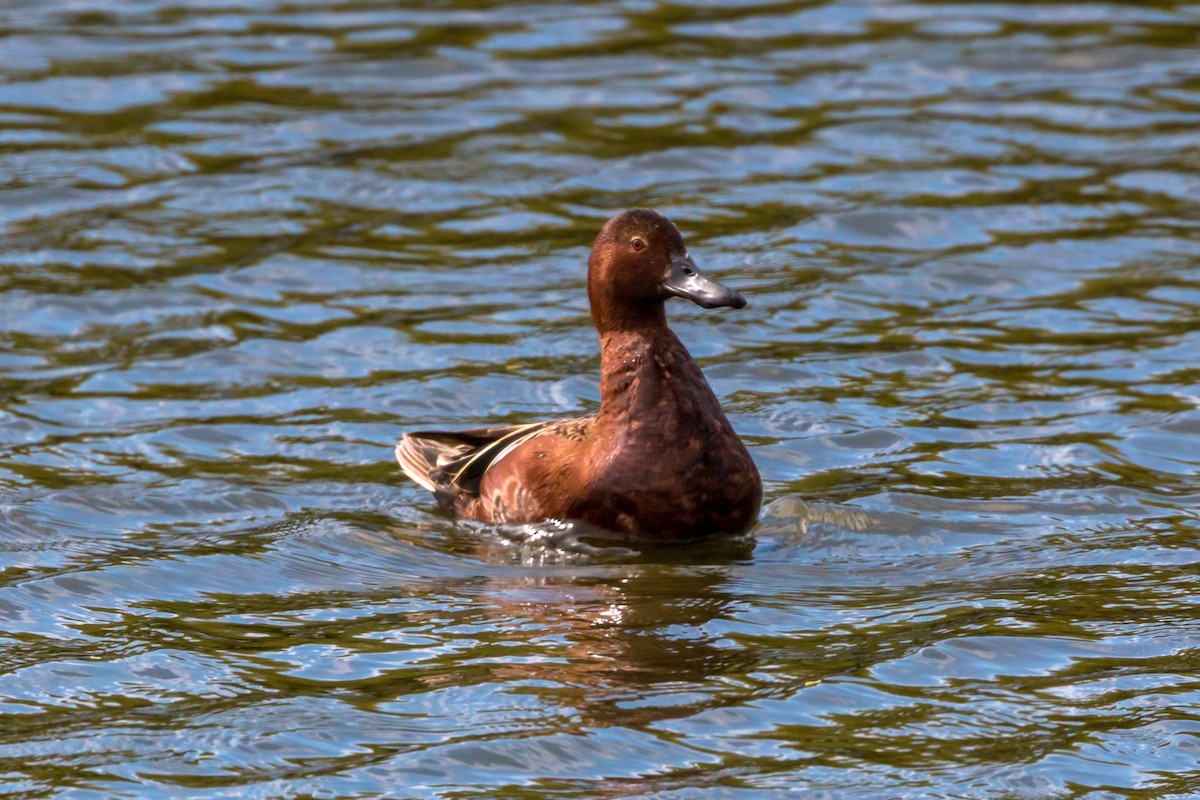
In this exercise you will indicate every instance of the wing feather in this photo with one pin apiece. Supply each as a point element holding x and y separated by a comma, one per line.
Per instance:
<point>455,461</point>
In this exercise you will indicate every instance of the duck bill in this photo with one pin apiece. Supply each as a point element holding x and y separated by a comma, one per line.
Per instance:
<point>685,280</point>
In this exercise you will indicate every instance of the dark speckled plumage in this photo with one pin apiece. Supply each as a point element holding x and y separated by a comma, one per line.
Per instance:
<point>660,461</point>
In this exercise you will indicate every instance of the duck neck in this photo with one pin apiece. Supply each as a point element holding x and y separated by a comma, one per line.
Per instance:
<point>623,317</point>
<point>637,367</point>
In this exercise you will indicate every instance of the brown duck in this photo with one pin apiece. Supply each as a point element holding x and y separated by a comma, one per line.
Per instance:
<point>659,461</point>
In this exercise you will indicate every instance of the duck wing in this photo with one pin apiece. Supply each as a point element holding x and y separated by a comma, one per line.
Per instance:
<point>454,461</point>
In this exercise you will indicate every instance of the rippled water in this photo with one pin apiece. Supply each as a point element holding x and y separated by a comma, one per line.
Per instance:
<point>245,245</point>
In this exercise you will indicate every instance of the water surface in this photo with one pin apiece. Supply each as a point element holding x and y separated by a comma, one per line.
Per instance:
<point>245,245</point>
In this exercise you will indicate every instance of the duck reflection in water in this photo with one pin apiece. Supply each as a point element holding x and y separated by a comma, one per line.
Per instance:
<point>615,632</point>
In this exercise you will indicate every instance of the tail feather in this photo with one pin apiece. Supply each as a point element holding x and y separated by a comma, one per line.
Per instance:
<point>417,460</point>
<point>443,461</point>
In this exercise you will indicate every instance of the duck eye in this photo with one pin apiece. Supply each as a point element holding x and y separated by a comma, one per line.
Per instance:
<point>638,244</point>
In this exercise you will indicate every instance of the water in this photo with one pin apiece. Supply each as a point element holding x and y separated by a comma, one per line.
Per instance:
<point>245,245</point>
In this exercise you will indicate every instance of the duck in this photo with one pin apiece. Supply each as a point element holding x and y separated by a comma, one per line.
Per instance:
<point>658,462</point>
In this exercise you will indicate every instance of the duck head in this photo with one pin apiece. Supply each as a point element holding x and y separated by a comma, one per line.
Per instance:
<point>638,261</point>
